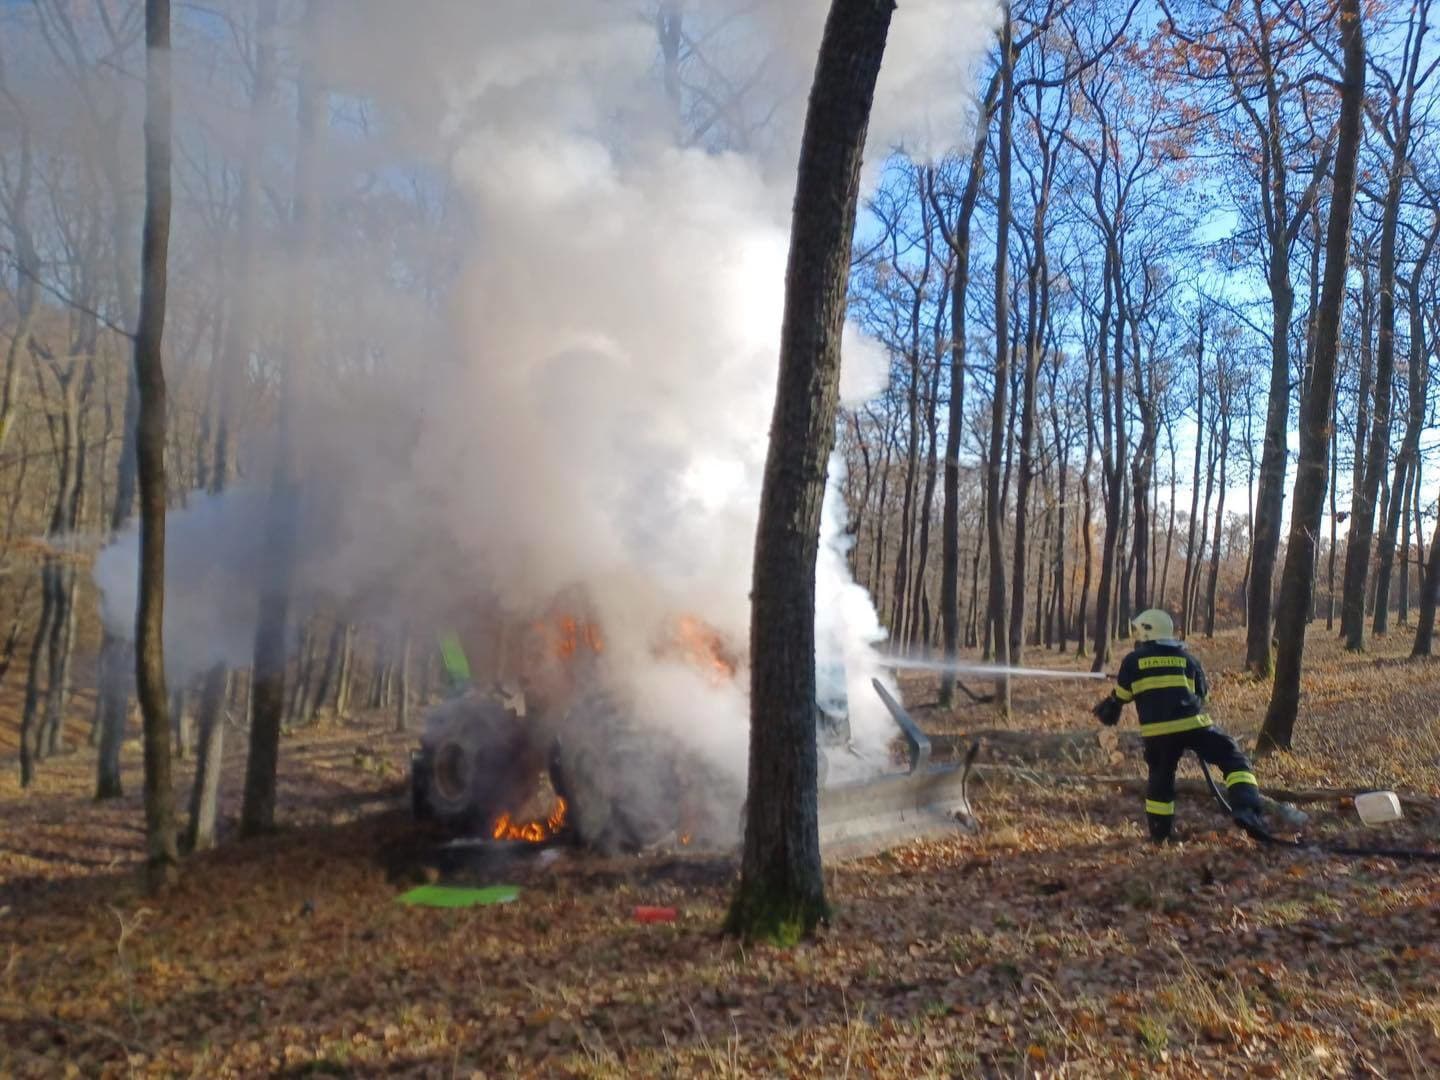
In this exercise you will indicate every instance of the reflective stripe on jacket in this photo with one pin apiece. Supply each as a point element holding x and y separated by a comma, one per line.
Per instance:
<point>1167,685</point>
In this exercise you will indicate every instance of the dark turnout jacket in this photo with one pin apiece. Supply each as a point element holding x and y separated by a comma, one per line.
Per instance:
<point>1167,685</point>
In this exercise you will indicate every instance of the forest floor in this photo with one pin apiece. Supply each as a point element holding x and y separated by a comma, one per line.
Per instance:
<point>1055,943</point>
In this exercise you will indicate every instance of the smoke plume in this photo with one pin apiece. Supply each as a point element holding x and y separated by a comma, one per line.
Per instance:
<point>595,415</point>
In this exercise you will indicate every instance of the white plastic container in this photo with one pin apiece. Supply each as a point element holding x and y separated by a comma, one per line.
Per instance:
<point>1378,807</point>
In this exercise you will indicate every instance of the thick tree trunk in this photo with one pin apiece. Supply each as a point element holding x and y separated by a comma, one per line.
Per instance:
<point>162,855</point>
<point>781,894</point>
<point>1317,407</point>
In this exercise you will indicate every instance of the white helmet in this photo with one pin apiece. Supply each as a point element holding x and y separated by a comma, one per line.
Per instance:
<point>1153,625</point>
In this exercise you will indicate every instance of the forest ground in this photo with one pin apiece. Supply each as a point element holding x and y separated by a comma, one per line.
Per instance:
<point>1053,943</point>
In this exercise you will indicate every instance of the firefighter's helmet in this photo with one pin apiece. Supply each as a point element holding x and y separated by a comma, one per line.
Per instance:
<point>1153,625</point>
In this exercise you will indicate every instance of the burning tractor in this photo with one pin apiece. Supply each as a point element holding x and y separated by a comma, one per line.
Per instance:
<point>546,747</point>
<point>549,747</point>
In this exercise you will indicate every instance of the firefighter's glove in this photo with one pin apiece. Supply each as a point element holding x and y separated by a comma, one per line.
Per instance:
<point>1108,710</point>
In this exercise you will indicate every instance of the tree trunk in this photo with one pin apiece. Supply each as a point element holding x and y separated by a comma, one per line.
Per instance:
<point>1415,490</point>
<point>995,503</point>
<point>1357,555</point>
<point>402,712</point>
<point>920,604</point>
<point>1429,597</point>
<point>781,894</point>
<point>116,664</point>
<point>1316,409</point>
<point>1211,589</point>
<point>1036,316</point>
<point>302,701</point>
<point>1112,472</point>
<point>959,286</point>
<point>1408,460</point>
<point>30,728</point>
<point>209,757</point>
<point>346,677</point>
<point>1334,523</point>
<point>267,690</point>
<point>1170,527</point>
<point>1270,499</point>
<point>1087,531</point>
<point>162,855</point>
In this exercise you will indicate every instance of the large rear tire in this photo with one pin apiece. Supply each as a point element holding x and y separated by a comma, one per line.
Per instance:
<point>481,761</point>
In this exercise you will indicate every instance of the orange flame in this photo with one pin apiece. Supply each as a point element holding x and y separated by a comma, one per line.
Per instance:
<point>533,832</point>
<point>703,646</point>
<point>568,635</point>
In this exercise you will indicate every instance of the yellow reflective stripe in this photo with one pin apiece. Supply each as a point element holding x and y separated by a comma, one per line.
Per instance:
<point>1123,694</point>
<point>1153,807</point>
<point>1162,662</point>
<point>1171,727</point>
<point>1234,778</point>
<point>1163,682</point>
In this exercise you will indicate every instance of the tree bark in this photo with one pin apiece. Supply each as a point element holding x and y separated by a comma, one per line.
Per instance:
<point>1224,438</point>
<point>1277,732</point>
<point>781,894</point>
<point>995,502</point>
<point>162,855</point>
<point>267,691</point>
<point>959,241</point>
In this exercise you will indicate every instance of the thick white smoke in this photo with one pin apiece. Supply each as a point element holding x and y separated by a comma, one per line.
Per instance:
<point>601,417</point>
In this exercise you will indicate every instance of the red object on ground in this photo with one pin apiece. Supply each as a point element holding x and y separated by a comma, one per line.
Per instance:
<point>655,914</point>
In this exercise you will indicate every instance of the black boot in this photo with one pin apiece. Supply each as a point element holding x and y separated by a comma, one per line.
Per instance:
<point>1251,820</point>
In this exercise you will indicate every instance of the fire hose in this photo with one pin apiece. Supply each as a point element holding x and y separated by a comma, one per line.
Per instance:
<point>1257,831</point>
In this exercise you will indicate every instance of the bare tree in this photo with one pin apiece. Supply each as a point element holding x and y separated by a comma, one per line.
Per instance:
<point>1316,411</point>
<point>161,852</point>
<point>1396,125</point>
<point>781,894</point>
<point>267,695</point>
<point>1246,54</point>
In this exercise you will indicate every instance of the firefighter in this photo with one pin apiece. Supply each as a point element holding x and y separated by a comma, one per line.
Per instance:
<point>1168,686</point>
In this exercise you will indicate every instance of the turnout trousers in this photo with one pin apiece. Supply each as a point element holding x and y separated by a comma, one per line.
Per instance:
<point>1162,757</point>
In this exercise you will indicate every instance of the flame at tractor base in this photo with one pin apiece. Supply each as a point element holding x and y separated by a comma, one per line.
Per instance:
<point>534,832</point>
<point>558,742</point>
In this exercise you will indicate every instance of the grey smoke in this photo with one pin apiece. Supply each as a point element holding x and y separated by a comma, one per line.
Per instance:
<point>596,409</point>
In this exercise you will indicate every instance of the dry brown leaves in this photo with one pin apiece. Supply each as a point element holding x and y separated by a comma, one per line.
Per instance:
<point>1055,944</point>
